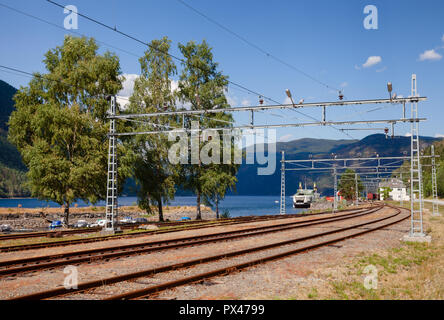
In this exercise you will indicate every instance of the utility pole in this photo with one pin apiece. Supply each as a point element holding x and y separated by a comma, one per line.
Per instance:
<point>434,185</point>
<point>356,188</point>
<point>416,196</point>
<point>402,194</point>
<point>335,205</point>
<point>111,185</point>
<point>282,208</point>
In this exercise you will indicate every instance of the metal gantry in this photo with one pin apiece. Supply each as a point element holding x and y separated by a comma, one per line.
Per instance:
<point>336,164</point>
<point>111,210</point>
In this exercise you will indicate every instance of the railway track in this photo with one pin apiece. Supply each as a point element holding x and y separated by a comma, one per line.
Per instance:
<point>61,291</point>
<point>37,234</point>
<point>177,228</point>
<point>17,266</point>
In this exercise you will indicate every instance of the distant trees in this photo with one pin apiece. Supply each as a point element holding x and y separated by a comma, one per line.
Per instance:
<point>347,185</point>
<point>12,183</point>
<point>427,170</point>
<point>59,125</point>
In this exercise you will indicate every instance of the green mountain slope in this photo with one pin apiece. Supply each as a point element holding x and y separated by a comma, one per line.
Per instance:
<point>12,169</point>
<point>252,184</point>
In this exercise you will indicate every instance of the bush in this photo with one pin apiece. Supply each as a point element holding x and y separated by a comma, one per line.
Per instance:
<point>225,214</point>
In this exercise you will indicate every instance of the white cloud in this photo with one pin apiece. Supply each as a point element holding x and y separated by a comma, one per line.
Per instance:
<point>232,101</point>
<point>286,138</point>
<point>439,135</point>
<point>245,103</point>
<point>371,61</point>
<point>408,134</point>
<point>344,84</point>
<point>382,69</point>
<point>442,37</point>
<point>430,55</point>
<point>128,85</point>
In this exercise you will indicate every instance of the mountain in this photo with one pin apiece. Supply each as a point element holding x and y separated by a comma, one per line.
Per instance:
<point>9,155</point>
<point>12,169</point>
<point>250,183</point>
<point>6,105</point>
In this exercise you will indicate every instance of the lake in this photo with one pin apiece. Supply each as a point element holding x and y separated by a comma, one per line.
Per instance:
<point>236,205</point>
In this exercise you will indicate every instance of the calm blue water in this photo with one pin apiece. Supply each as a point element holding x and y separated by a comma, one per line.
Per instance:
<point>236,205</point>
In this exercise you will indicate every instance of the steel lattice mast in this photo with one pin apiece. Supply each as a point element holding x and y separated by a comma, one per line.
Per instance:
<point>111,190</point>
<point>416,196</point>
<point>434,184</point>
<point>282,205</point>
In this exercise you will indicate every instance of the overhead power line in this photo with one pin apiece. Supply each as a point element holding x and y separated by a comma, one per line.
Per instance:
<point>251,44</point>
<point>114,29</point>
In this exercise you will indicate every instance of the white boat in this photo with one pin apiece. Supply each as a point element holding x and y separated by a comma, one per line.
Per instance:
<point>304,197</point>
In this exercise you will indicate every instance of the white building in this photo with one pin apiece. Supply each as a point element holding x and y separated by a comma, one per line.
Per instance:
<point>398,190</point>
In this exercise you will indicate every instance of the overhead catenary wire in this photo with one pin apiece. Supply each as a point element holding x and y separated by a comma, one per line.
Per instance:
<point>258,48</point>
<point>114,29</point>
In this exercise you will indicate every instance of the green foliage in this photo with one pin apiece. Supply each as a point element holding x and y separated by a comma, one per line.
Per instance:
<point>386,192</point>
<point>152,93</point>
<point>226,214</point>
<point>12,183</point>
<point>202,86</point>
<point>427,172</point>
<point>59,125</point>
<point>347,185</point>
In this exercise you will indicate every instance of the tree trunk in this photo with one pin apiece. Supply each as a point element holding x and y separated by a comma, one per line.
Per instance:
<point>159,205</point>
<point>199,214</point>
<point>66,214</point>
<point>217,207</point>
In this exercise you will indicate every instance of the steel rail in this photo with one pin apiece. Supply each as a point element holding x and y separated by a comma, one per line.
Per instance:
<point>185,226</point>
<point>37,234</point>
<point>227,270</point>
<point>62,291</point>
<point>10,267</point>
<point>231,221</point>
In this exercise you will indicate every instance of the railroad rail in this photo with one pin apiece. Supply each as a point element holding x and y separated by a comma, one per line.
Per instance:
<point>17,266</point>
<point>141,293</point>
<point>210,223</point>
<point>61,291</point>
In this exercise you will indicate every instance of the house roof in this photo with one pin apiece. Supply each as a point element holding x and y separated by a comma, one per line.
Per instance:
<point>392,183</point>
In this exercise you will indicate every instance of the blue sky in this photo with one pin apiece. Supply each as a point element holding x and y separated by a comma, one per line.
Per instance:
<point>325,39</point>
